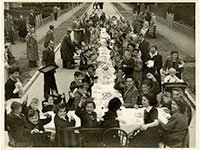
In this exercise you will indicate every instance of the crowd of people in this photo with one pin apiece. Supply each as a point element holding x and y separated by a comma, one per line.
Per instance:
<point>140,73</point>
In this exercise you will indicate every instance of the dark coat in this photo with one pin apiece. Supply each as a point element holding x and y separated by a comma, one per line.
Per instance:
<point>25,110</point>
<point>144,47</point>
<point>17,126</point>
<point>48,57</point>
<point>87,120</point>
<point>60,124</point>
<point>9,88</point>
<point>174,131</point>
<point>22,28</point>
<point>155,70</point>
<point>130,95</point>
<point>49,37</point>
<point>40,124</point>
<point>67,48</point>
<point>155,89</point>
<point>110,120</point>
<point>73,86</point>
<point>32,19</point>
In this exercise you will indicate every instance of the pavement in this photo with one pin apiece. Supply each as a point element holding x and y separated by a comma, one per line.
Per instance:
<point>65,76</point>
<point>19,48</point>
<point>185,43</point>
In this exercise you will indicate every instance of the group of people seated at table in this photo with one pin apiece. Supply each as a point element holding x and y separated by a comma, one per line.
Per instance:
<point>138,70</point>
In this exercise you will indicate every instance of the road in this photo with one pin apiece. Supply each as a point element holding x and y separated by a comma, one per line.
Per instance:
<point>65,76</point>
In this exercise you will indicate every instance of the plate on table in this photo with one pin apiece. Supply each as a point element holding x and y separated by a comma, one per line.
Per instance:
<point>139,115</point>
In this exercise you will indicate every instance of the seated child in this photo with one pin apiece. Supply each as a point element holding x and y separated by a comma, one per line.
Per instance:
<point>47,105</point>
<point>85,111</point>
<point>77,81</point>
<point>128,63</point>
<point>120,81</point>
<point>35,124</point>
<point>172,78</point>
<point>79,93</point>
<point>33,105</point>
<point>166,100</point>
<point>61,119</point>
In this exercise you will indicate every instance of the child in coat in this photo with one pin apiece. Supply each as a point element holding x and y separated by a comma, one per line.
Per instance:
<point>85,111</point>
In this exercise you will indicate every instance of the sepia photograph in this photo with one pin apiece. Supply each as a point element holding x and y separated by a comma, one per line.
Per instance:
<point>99,74</point>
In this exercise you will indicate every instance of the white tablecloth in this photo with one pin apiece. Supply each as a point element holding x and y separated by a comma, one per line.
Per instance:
<point>103,91</point>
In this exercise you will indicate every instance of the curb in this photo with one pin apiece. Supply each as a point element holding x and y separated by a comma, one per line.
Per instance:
<point>37,73</point>
<point>187,94</point>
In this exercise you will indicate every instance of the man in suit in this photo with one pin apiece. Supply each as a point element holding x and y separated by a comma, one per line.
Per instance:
<point>48,58</point>
<point>153,63</point>
<point>17,125</point>
<point>49,36</point>
<point>67,50</point>
<point>143,46</point>
<point>130,93</point>
<point>32,18</point>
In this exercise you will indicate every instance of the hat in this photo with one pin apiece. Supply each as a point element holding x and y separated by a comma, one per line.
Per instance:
<point>12,70</point>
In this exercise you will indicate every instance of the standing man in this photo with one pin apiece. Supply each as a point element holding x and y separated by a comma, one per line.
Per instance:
<point>67,50</point>
<point>32,18</point>
<point>9,28</point>
<point>48,58</point>
<point>144,47</point>
<point>153,64</point>
<point>55,12</point>
<point>22,28</point>
<point>49,36</point>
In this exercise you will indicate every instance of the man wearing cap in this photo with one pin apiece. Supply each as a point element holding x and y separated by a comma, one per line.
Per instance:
<point>13,87</point>
<point>67,50</point>
<point>49,36</point>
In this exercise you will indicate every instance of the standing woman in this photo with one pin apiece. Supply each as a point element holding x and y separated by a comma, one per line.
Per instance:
<point>22,28</point>
<point>174,62</point>
<point>148,135</point>
<point>32,48</point>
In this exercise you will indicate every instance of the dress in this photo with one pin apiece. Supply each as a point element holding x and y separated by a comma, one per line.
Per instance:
<point>149,137</point>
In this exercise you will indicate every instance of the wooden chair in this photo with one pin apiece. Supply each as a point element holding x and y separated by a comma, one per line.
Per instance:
<point>170,86</point>
<point>115,137</point>
<point>68,137</point>
<point>91,137</point>
<point>40,139</point>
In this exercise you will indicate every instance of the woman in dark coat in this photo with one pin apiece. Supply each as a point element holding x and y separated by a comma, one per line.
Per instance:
<point>67,51</point>
<point>175,130</point>
<point>22,28</point>
<point>148,135</point>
